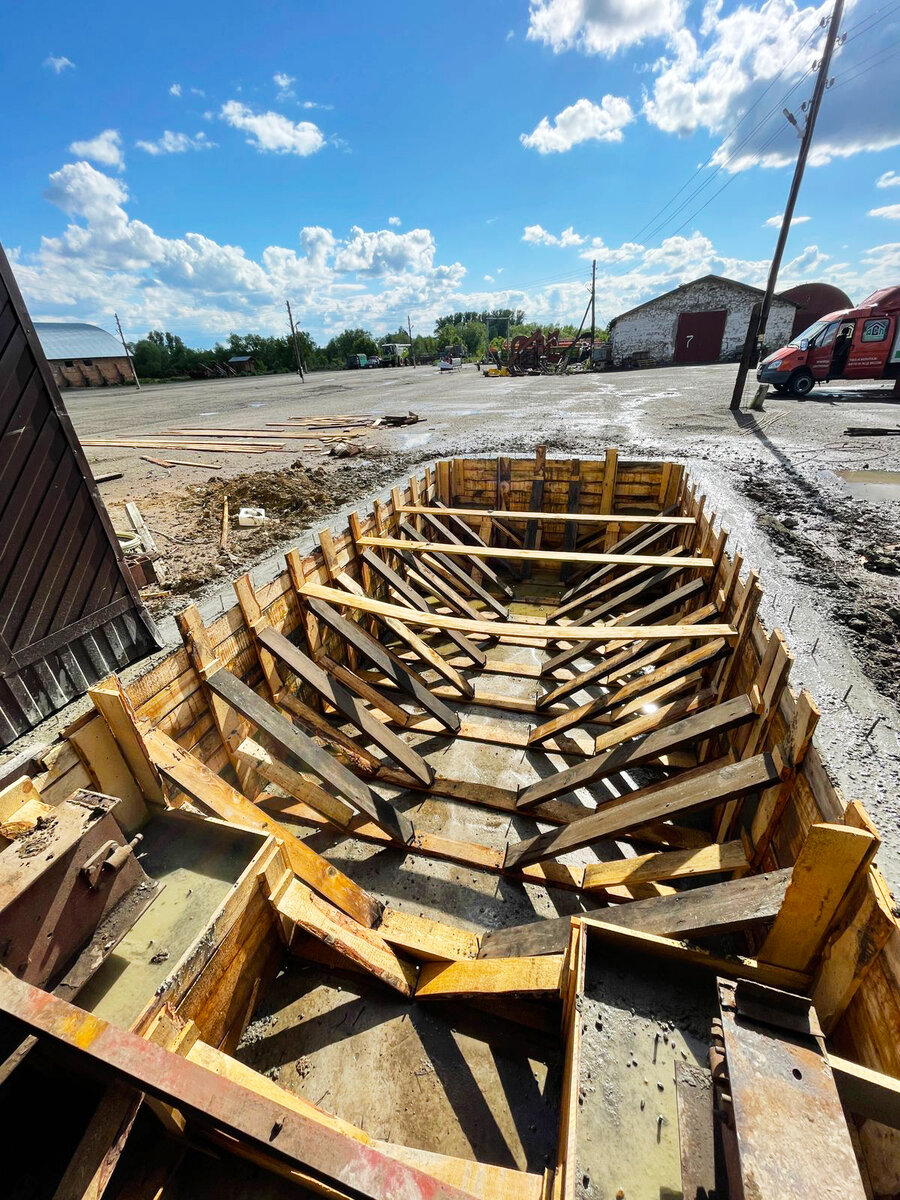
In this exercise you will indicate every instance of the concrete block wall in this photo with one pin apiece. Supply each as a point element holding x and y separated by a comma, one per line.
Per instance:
<point>652,329</point>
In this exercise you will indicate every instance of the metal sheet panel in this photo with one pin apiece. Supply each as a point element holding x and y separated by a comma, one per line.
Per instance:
<point>69,610</point>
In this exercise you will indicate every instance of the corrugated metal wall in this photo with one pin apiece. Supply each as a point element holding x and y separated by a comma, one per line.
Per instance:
<point>69,611</point>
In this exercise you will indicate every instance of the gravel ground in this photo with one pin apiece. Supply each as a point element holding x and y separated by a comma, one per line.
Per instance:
<point>829,560</point>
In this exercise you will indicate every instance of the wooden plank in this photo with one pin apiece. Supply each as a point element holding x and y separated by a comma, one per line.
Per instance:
<point>642,749</point>
<point>593,633</point>
<point>448,535</point>
<point>697,659</point>
<point>195,779</point>
<point>405,679</point>
<point>831,859</point>
<point>377,564</point>
<point>292,741</point>
<point>868,1093</point>
<point>672,864</point>
<point>112,702</point>
<point>346,704</point>
<point>299,906</point>
<point>634,542</point>
<point>853,948</point>
<point>539,976</point>
<point>648,612</point>
<point>507,514</point>
<point>696,1129</point>
<point>95,1159</point>
<point>716,908</point>
<point>651,945</point>
<point>328,1158</point>
<point>610,471</point>
<point>275,771</point>
<point>630,560</point>
<point>440,550</point>
<point>679,796</point>
<point>630,655</point>
<point>424,938</point>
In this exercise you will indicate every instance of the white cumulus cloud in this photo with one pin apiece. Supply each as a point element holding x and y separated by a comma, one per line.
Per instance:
<point>754,61</point>
<point>888,179</point>
<point>175,89</point>
<point>105,148</point>
<point>176,143</point>
<point>602,26</point>
<point>775,222</point>
<point>539,236</point>
<point>284,84</point>
<point>394,221</point>
<point>891,211</point>
<point>58,63</point>
<point>272,131</point>
<point>582,121</point>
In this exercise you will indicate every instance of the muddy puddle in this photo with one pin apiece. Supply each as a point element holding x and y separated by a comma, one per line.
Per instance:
<point>879,487</point>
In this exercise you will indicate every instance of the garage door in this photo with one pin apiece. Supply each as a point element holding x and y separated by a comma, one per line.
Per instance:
<point>698,338</point>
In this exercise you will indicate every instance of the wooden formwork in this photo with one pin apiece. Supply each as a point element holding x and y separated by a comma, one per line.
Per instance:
<point>278,707</point>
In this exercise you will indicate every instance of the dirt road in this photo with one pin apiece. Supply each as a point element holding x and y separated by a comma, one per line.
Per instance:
<point>829,559</point>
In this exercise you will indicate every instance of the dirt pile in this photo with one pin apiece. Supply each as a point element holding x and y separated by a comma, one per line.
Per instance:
<point>187,521</point>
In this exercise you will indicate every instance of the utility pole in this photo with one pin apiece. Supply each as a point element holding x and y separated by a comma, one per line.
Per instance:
<point>593,309</point>
<point>127,351</point>
<point>805,143</point>
<point>294,337</point>
<point>409,331</point>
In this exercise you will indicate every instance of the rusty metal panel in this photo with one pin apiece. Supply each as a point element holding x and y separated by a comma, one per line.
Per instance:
<point>698,338</point>
<point>791,1131</point>
<point>69,610</point>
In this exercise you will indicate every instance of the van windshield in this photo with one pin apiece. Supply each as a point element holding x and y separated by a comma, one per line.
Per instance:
<point>808,334</point>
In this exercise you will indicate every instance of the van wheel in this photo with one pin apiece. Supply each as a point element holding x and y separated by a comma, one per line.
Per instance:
<point>801,383</point>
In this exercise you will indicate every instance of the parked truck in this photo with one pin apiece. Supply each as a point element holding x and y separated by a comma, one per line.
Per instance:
<point>854,343</point>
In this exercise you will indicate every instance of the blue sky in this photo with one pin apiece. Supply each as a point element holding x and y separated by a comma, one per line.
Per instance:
<point>191,166</point>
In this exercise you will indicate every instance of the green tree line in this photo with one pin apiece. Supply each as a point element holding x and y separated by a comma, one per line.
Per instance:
<point>165,356</point>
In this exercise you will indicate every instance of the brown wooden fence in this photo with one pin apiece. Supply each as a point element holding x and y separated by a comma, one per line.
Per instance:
<point>69,610</point>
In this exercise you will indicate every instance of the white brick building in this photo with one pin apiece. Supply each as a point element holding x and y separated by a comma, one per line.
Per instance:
<point>700,322</point>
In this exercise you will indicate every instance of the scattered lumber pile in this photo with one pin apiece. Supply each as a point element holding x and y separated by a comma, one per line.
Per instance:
<point>582,627</point>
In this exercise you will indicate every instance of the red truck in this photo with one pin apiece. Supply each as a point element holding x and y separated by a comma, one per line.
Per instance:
<point>855,343</point>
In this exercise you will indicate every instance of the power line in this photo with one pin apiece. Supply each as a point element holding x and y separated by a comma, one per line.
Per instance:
<point>730,134</point>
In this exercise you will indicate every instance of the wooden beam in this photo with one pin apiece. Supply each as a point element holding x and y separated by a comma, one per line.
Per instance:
<point>448,535</point>
<point>405,679</point>
<point>716,908</point>
<point>540,976</point>
<point>292,741</point>
<point>95,1159</point>
<point>332,1162</point>
<point>646,747</point>
<point>630,560</point>
<point>191,776</point>
<point>629,656</point>
<point>870,1094</point>
<point>441,551</point>
<point>372,561</point>
<point>508,514</point>
<point>679,796</point>
<point>650,945</point>
<point>699,658</point>
<point>853,948</point>
<point>299,907</point>
<point>112,702</point>
<point>828,864</point>
<point>672,864</point>
<point>593,633</point>
<point>345,703</point>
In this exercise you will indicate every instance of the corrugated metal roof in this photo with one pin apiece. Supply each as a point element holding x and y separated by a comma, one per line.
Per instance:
<point>241,358</point>
<point>74,339</point>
